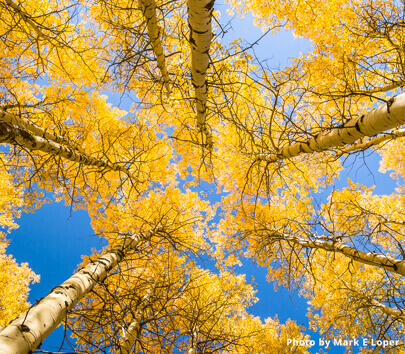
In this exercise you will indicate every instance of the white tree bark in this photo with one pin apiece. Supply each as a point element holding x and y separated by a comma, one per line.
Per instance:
<point>370,258</point>
<point>27,331</point>
<point>199,20</point>
<point>390,311</point>
<point>388,116</point>
<point>193,344</point>
<point>33,128</point>
<point>132,333</point>
<point>16,136</point>
<point>373,142</point>
<point>149,11</point>
<point>17,9</point>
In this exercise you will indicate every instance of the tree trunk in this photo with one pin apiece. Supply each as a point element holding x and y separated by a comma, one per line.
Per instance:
<point>389,310</point>
<point>193,344</point>
<point>28,330</point>
<point>149,11</point>
<point>16,136</point>
<point>132,333</point>
<point>33,128</point>
<point>369,258</point>
<point>25,18</point>
<point>199,20</point>
<point>388,116</point>
<point>384,138</point>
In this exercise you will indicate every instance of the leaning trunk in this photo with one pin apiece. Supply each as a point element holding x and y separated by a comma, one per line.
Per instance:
<point>388,116</point>
<point>35,129</point>
<point>390,311</point>
<point>16,136</point>
<point>27,331</point>
<point>369,258</point>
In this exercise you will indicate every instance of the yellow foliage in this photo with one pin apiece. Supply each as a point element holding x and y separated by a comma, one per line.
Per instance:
<point>14,278</point>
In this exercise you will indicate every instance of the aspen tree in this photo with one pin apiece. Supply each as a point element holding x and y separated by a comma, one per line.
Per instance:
<point>351,290</point>
<point>199,19</point>
<point>122,316</point>
<point>349,299</point>
<point>133,331</point>
<point>26,333</point>
<point>190,307</point>
<point>33,128</point>
<point>17,136</point>
<point>370,258</point>
<point>391,115</point>
<point>278,138</point>
<point>149,11</point>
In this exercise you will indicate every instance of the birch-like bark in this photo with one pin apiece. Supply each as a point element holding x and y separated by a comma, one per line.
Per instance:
<point>17,9</point>
<point>27,331</point>
<point>16,136</point>
<point>369,258</point>
<point>33,128</point>
<point>390,311</point>
<point>133,331</point>
<point>199,20</point>
<point>388,116</point>
<point>193,344</point>
<point>149,11</point>
<point>373,142</point>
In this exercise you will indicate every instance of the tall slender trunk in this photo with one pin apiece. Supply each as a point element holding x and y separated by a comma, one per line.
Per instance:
<point>27,331</point>
<point>199,20</point>
<point>25,18</point>
<point>193,344</point>
<point>33,128</point>
<point>390,311</point>
<point>388,116</point>
<point>149,11</point>
<point>132,333</point>
<point>16,136</point>
<point>400,133</point>
<point>369,258</point>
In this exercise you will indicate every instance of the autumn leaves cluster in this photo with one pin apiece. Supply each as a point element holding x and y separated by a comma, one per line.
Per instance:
<point>202,110</point>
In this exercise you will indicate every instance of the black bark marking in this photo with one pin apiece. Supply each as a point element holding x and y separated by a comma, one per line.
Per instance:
<point>210,5</point>
<point>389,103</point>
<point>199,32</point>
<point>24,328</point>
<point>192,40</point>
<point>26,136</point>
<point>120,253</point>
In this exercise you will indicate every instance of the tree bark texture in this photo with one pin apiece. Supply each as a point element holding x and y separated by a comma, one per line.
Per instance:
<point>33,128</point>
<point>16,136</point>
<point>390,311</point>
<point>369,258</point>
<point>390,115</point>
<point>133,331</point>
<point>149,11</point>
<point>383,138</point>
<point>199,20</point>
<point>27,331</point>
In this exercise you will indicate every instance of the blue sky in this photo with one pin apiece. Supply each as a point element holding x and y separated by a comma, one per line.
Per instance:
<point>53,239</point>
